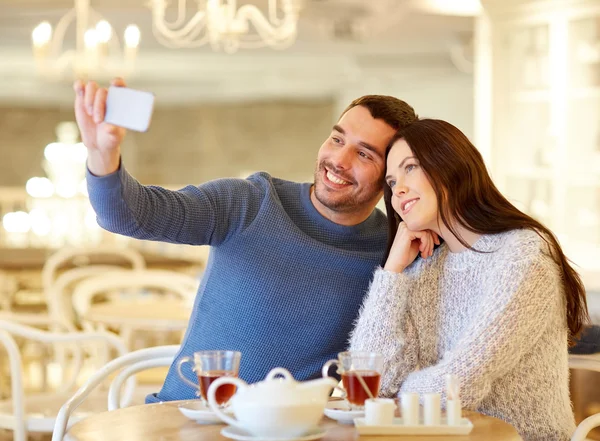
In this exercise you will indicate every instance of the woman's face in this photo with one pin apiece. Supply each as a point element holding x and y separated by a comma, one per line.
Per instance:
<point>413,197</point>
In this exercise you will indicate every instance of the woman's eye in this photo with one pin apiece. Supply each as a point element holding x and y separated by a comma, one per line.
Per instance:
<point>391,184</point>
<point>410,167</point>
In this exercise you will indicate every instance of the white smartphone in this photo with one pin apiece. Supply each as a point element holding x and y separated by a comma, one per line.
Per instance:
<point>129,108</point>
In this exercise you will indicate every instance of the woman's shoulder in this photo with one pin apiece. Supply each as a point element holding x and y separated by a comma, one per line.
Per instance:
<point>523,245</point>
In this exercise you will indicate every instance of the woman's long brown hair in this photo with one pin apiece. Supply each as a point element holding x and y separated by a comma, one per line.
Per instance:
<point>465,193</point>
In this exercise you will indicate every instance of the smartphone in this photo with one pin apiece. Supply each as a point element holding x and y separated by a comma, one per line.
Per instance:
<point>129,108</point>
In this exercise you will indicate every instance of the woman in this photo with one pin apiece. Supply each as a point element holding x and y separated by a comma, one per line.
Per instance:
<point>496,304</point>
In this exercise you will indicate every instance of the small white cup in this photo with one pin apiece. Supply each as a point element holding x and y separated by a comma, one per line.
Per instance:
<point>379,411</point>
<point>410,408</point>
<point>454,412</point>
<point>432,411</point>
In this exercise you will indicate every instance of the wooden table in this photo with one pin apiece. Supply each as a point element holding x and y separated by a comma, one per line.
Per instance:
<point>34,258</point>
<point>141,315</point>
<point>163,421</point>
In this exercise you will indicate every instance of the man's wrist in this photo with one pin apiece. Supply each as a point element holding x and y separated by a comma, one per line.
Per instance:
<point>102,164</point>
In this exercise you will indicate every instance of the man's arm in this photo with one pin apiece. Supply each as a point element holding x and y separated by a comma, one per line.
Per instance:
<point>207,214</point>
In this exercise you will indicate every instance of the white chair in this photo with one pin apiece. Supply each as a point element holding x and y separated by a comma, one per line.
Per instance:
<point>182,285</point>
<point>59,292</point>
<point>68,257</point>
<point>590,363</point>
<point>129,364</point>
<point>112,257</point>
<point>116,256</point>
<point>60,316</point>
<point>36,413</point>
<point>153,313</point>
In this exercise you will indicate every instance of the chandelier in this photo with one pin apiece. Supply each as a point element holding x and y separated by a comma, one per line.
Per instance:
<point>224,26</point>
<point>64,164</point>
<point>57,210</point>
<point>97,50</point>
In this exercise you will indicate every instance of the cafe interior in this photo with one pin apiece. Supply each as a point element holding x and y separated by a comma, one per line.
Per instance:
<point>521,78</point>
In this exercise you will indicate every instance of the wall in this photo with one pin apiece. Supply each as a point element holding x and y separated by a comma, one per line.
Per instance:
<point>185,145</point>
<point>436,92</point>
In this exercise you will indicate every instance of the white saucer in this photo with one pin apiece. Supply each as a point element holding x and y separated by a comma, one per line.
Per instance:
<point>239,435</point>
<point>340,411</point>
<point>196,410</point>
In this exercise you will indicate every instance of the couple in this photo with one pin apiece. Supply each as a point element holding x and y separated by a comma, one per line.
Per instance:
<point>468,285</point>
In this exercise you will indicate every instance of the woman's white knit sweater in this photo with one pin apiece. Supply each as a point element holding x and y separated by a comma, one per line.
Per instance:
<point>497,320</point>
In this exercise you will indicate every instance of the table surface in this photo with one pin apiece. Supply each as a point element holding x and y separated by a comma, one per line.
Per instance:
<point>163,421</point>
<point>19,258</point>
<point>151,314</point>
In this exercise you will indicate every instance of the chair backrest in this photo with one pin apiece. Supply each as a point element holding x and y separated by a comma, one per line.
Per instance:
<point>60,304</point>
<point>107,255</point>
<point>587,362</point>
<point>590,363</point>
<point>182,285</point>
<point>138,361</point>
<point>9,329</point>
<point>130,363</point>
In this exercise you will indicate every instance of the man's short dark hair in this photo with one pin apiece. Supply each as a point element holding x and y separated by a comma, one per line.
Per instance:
<point>396,113</point>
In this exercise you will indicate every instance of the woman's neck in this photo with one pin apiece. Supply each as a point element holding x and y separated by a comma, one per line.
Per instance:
<point>452,241</point>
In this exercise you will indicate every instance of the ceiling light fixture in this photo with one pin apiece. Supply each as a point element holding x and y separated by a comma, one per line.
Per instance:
<point>224,26</point>
<point>97,49</point>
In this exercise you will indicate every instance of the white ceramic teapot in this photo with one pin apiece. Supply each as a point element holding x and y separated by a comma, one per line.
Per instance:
<point>274,407</point>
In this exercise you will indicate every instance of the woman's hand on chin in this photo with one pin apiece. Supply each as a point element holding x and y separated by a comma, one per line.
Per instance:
<point>407,245</point>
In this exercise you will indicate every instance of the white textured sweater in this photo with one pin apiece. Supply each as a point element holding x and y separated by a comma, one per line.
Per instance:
<point>496,320</point>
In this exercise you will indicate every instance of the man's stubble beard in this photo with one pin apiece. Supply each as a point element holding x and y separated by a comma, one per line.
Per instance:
<point>346,204</point>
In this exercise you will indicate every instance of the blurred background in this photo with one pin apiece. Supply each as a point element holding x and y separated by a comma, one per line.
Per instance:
<point>257,84</point>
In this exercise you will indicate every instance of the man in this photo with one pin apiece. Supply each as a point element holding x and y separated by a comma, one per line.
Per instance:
<point>289,263</point>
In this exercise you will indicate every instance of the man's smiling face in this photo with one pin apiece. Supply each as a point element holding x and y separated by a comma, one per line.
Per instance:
<point>351,164</point>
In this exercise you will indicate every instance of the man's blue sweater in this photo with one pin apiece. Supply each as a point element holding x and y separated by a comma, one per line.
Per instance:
<point>283,285</point>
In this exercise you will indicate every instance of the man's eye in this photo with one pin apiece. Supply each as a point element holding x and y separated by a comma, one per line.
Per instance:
<point>337,140</point>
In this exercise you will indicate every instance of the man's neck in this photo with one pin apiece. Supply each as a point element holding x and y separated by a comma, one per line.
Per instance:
<point>341,218</point>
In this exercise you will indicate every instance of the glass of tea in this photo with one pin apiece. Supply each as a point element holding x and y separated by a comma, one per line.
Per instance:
<point>361,374</point>
<point>210,365</point>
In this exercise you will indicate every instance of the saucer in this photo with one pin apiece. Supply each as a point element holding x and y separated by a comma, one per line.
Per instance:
<point>240,435</point>
<point>340,411</point>
<point>198,411</point>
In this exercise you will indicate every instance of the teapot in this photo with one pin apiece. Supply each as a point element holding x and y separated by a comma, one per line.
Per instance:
<point>274,407</point>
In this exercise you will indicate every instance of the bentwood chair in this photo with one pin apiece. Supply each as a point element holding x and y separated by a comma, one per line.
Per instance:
<point>590,363</point>
<point>23,412</point>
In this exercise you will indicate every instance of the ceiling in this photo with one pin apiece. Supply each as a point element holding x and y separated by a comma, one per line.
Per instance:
<point>394,37</point>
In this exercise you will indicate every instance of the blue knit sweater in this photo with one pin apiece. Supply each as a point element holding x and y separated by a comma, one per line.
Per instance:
<point>283,284</point>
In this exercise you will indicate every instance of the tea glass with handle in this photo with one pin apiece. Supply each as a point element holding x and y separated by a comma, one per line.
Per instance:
<point>208,366</point>
<point>361,375</point>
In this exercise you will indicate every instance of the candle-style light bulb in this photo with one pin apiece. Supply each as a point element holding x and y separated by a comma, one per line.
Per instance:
<point>103,31</point>
<point>132,36</point>
<point>42,34</point>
